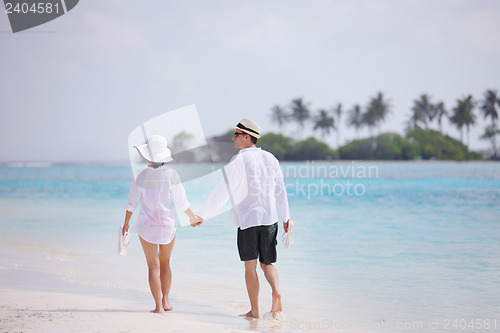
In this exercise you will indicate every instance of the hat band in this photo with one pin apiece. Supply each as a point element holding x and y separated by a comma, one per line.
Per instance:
<point>241,126</point>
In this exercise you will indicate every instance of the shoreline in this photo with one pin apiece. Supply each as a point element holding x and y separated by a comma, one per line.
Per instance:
<point>51,290</point>
<point>104,163</point>
<point>33,301</point>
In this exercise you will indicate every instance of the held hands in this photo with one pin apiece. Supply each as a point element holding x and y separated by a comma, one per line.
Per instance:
<point>195,221</point>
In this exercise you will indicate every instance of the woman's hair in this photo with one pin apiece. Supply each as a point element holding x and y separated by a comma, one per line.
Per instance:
<point>156,165</point>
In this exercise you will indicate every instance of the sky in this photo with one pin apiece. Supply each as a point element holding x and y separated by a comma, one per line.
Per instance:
<point>72,90</point>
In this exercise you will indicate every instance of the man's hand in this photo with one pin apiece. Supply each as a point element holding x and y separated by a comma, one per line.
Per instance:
<point>285,225</point>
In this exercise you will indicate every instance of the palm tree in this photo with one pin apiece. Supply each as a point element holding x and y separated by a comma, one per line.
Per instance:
<point>279,116</point>
<point>440,112</point>
<point>489,105</point>
<point>338,115</point>
<point>490,133</point>
<point>489,108</point>
<point>354,117</point>
<point>423,110</point>
<point>324,123</point>
<point>300,113</point>
<point>463,115</point>
<point>369,119</point>
<point>415,118</point>
<point>377,110</point>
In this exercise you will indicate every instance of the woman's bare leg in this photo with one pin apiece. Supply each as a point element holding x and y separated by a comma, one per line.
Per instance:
<point>166,273</point>
<point>152,258</point>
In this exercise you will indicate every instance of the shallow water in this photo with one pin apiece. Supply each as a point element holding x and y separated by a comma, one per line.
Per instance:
<point>380,246</point>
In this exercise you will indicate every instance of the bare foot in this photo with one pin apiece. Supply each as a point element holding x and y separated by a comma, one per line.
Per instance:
<point>159,311</point>
<point>166,305</point>
<point>249,314</point>
<point>276,307</point>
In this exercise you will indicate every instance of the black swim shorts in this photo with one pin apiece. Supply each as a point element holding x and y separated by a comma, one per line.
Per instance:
<point>258,242</point>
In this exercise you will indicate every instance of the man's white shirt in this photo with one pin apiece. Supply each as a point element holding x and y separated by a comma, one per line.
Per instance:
<point>254,184</point>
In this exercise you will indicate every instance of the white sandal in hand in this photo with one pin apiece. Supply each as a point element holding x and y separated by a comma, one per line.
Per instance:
<point>287,238</point>
<point>123,241</point>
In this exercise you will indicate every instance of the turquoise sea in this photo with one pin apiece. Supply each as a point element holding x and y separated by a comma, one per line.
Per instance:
<point>379,246</point>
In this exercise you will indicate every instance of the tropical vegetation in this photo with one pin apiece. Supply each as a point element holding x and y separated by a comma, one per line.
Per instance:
<point>423,137</point>
<point>420,140</point>
<point>489,108</point>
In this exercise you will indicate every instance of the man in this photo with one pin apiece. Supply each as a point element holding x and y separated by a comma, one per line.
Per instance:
<point>254,183</point>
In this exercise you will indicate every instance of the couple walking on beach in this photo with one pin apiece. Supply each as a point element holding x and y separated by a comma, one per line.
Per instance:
<point>253,181</point>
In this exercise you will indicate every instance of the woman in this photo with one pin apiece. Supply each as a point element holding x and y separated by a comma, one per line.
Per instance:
<point>154,187</point>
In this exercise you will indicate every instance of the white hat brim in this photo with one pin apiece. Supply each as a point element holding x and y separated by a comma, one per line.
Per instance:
<point>165,157</point>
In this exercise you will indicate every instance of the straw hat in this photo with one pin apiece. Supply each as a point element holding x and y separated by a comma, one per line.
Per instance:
<point>155,150</point>
<point>249,126</point>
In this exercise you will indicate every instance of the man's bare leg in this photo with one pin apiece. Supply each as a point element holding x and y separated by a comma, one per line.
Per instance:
<point>166,273</point>
<point>252,282</point>
<point>151,253</point>
<point>272,277</point>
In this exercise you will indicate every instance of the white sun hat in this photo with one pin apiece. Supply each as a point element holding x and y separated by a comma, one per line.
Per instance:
<point>155,150</point>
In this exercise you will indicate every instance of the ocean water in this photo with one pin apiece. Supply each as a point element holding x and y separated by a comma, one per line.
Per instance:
<point>379,246</point>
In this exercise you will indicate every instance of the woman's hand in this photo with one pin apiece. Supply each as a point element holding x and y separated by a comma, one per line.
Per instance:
<point>125,228</point>
<point>128,215</point>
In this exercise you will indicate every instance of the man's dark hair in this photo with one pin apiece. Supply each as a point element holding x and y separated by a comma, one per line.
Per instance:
<point>253,139</point>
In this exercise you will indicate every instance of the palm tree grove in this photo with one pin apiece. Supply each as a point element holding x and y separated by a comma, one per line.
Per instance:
<point>420,141</point>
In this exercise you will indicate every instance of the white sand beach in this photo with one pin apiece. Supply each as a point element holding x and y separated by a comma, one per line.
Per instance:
<point>23,310</point>
<point>35,311</point>
<point>36,297</point>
